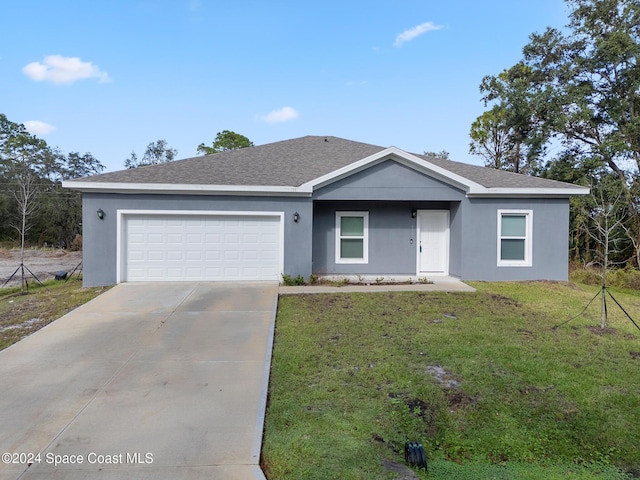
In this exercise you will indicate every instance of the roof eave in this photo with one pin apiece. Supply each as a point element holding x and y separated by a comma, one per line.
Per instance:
<point>499,192</point>
<point>186,189</point>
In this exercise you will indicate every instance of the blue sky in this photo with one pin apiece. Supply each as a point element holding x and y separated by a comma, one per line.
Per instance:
<point>109,77</point>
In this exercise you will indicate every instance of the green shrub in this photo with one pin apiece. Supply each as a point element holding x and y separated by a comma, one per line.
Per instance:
<point>628,277</point>
<point>289,281</point>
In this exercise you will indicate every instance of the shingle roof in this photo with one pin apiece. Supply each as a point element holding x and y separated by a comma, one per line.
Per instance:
<point>285,163</point>
<point>492,178</point>
<point>292,163</point>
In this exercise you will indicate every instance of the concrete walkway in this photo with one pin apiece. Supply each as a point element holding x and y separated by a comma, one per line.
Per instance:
<point>439,284</point>
<point>159,381</point>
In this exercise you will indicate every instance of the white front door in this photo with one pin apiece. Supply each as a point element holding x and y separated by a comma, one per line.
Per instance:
<point>433,242</point>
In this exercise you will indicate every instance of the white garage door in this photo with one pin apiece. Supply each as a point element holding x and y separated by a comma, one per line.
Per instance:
<point>183,247</point>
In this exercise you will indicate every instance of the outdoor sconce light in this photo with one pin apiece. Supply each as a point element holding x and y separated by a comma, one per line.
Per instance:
<point>296,217</point>
<point>414,213</point>
<point>100,213</point>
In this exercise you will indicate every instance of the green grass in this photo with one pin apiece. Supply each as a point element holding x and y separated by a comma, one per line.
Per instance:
<point>351,382</point>
<point>22,314</point>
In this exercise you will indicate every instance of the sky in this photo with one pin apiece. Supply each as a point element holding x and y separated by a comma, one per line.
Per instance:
<point>108,77</point>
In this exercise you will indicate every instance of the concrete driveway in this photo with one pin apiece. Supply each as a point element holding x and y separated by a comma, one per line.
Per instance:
<point>164,380</point>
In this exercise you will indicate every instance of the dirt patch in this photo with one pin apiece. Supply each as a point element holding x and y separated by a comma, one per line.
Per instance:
<point>399,471</point>
<point>602,331</point>
<point>459,399</point>
<point>43,263</point>
<point>509,302</point>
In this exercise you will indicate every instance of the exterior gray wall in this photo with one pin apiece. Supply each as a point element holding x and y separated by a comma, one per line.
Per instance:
<point>389,180</point>
<point>480,240</point>
<point>99,236</point>
<point>455,239</point>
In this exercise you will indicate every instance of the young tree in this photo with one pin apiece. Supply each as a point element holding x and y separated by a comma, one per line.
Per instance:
<point>25,196</point>
<point>608,217</point>
<point>225,141</point>
<point>23,159</point>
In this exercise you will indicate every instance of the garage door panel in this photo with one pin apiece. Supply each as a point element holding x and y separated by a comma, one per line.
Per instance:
<point>268,238</point>
<point>213,255</point>
<point>195,238</point>
<point>250,238</point>
<point>213,238</point>
<point>231,255</point>
<point>158,238</point>
<point>250,255</point>
<point>155,272</point>
<point>201,247</point>
<point>155,256</point>
<point>136,238</point>
<point>194,256</point>
<point>175,256</point>
<point>231,238</point>
<point>137,256</point>
<point>268,254</point>
<point>177,238</point>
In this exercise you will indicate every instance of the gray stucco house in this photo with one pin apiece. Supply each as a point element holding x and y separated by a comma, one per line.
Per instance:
<point>325,206</point>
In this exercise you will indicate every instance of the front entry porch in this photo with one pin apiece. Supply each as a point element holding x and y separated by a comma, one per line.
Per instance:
<point>376,240</point>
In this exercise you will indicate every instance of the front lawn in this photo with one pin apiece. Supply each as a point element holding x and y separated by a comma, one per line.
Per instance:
<point>481,379</point>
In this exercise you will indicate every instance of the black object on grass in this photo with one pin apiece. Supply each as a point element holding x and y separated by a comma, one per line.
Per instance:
<point>414,455</point>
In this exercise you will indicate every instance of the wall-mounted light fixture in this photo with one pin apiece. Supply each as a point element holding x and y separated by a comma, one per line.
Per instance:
<point>296,217</point>
<point>100,213</point>
<point>414,213</point>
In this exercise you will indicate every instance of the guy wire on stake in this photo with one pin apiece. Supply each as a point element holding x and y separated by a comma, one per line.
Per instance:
<point>604,289</point>
<point>22,267</point>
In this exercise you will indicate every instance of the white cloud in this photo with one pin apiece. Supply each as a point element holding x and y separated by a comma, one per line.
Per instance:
<point>37,127</point>
<point>63,70</point>
<point>278,116</point>
<point>414,32</point>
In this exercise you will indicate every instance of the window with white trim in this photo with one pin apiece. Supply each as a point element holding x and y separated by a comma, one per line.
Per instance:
<point>352,237</point>
<point>515,238</point>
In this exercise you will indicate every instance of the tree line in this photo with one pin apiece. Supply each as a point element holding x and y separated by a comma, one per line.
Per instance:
<point>33,205</point>
<point>35,209</point>
<point>160,152</point>
<point>569,110</point>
